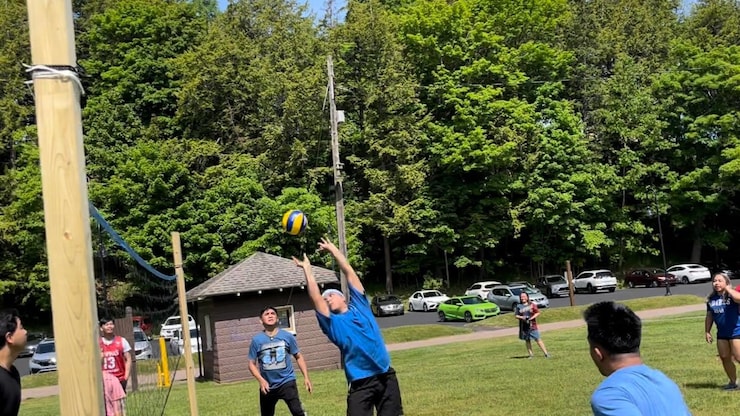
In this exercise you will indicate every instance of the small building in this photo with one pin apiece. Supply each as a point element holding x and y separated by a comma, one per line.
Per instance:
<point>228,306</point>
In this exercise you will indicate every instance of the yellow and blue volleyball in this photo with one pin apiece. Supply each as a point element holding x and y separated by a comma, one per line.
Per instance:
<point>294,222</point>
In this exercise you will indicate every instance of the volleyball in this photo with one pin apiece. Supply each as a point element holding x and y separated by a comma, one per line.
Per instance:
<point>294,222</point>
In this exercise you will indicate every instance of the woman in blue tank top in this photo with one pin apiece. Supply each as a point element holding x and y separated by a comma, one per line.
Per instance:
<point>723,309</point>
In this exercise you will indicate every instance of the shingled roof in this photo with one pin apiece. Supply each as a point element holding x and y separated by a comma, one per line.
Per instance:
<point>260,271</point>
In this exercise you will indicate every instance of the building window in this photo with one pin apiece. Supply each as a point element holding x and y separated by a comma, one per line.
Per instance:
<point>209,338</point>
<point>286,318</point>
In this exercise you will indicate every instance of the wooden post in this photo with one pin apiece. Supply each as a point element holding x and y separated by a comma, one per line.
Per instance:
<point>66,212</point>
<point>185,323</point>
<point>569,274</point>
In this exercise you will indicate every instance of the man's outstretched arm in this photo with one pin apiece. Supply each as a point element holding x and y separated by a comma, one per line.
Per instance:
<point>344,265</point>
<point>313,288</point>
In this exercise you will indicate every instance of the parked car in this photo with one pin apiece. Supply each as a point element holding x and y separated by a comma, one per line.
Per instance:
<point>32,341</point>
<point>383,305</point>
<point>144,323</point>
<point>481,289</point>
<point>468,308</point>
<point>426,300</point>
<point>690,273</point>
<point>195,345</point>
<point>553,285</point>
<point>720,267</point>
<point>523,283</point>
<point>172,324</point>
<point>142,346</point>
<point>649,278</point>
<point>507,296</point>
<point>594,280</point>
<point>45,357</point>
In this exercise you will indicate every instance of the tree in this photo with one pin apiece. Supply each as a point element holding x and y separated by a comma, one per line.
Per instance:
<point>699,100</point>
<point>383,136</point>
<point>256,85</point>
<point>129,49</point>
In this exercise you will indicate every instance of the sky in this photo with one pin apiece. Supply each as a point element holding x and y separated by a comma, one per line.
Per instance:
<point>318,6</point>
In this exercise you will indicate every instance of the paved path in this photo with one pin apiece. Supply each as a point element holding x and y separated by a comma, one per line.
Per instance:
<point>478,335</point>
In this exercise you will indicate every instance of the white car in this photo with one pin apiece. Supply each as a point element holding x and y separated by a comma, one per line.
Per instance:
<point>426,300</point>
<point>173,324</point>
<point>690,273</point>
<point>593,280</point>
<point>481,289</point>
<point>142,346</point>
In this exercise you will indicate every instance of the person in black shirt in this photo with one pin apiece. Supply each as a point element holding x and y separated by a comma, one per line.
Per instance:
<point>12,342</point>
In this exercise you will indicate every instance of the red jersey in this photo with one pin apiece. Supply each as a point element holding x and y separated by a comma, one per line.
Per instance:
<point>114,361</point>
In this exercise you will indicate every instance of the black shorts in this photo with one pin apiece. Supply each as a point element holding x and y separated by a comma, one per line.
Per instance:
<point>287,392</point>
<point>728,338</point>
<point>380,392</point>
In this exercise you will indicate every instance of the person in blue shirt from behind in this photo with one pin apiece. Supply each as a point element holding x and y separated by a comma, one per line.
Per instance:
<point>269,363</point>
<point>722,309</point>
<point>352,327</point>
<point>631,388</point>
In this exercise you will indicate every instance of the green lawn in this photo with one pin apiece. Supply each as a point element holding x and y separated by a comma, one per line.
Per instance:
<point>491,378</point>
<point>568,314</point>
<point>419,332</point>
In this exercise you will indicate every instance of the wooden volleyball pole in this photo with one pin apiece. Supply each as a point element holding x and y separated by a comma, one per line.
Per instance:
<point>184,321</point>
<point>66,211</point>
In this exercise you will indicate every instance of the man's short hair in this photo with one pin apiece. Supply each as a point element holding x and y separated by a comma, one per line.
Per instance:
<point>613,327</point>
<point>267,308</point>
<point>8,324</point>
<point>104,320</point>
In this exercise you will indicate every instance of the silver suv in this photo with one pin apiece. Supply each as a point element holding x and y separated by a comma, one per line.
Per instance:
<point>553,285</point>
<point>44,359</point>
<point>592,280</point>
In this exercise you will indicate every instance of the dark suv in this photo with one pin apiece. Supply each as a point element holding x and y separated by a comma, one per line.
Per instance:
<point>552,285</point>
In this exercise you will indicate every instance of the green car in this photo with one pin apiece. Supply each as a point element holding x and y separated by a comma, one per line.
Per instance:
<point>468,308</point>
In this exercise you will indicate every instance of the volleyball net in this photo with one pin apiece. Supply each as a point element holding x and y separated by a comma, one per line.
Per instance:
<point>142,301</point>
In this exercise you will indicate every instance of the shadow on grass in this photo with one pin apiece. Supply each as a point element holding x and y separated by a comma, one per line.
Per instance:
<point>710,386</point>
<point>519,357</point>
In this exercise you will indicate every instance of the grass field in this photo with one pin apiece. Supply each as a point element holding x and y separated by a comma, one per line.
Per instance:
<point>491,378</point>
<point>567,314</point>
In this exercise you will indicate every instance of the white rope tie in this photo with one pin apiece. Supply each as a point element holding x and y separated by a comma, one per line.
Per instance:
<point>46,72</point>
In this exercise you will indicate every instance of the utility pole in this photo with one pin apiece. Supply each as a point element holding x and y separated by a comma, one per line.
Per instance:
<point>329,16</point>
<point>337,167</point>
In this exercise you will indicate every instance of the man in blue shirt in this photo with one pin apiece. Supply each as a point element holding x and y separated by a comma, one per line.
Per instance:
<point>614,335</point>
<point>352,327</point>
<point>269,363</point>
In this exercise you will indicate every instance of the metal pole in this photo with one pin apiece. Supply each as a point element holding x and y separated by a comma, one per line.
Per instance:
<point>662,246</point>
